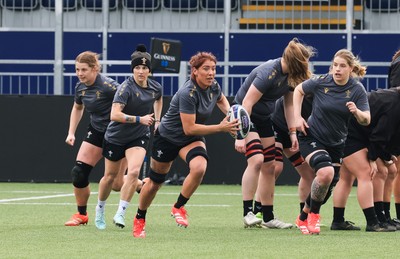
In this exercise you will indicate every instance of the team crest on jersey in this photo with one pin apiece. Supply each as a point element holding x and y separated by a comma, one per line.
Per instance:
<point>122,89</point>
<point>83,93</point>
<point>272,75</point>
<point>137,94</point>
<point>98,93</point>
<point>211,95</point>
<point>110,85</point>
<point>313,144</point>
<point>326,89</point>
<point>348,92</point>
<point>192,91</point>
<point>153,94</point>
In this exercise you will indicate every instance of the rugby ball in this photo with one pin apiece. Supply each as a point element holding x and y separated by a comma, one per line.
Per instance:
<point>238,112</point>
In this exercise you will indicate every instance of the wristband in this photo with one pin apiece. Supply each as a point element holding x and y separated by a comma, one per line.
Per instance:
<point>137,119</point>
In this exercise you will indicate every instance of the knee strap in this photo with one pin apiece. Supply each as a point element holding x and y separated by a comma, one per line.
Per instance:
<point>320,159</point>
<point>254,147</point>
<point>278,154</point>
<point>296,159</point>
<point>80,174</point>
<point>156,177</point>
<point>197,151</point>
<point>269,153</point>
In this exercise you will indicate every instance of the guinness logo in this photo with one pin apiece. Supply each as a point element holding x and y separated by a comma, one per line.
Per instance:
<point>166,46</point>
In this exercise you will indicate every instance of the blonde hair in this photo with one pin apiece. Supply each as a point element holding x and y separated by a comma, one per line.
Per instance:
<point>353,61</point>
<point>90,58</point>
<point>296,56</point>
<point>198,60</point>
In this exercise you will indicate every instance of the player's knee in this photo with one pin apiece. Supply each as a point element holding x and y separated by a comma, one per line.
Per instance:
<point>156,177</point>
<point>80,174</point>
<point>296,159</point>
<point>194,152</point>
<point>269,153</point>
<point>254,147</point>
<point>320,159</point>
<point>278,154</point>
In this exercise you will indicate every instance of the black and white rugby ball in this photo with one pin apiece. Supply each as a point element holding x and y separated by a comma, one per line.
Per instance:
<point>238,112</point>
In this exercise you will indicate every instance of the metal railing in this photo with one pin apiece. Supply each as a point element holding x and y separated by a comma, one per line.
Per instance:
<point>22,83</point>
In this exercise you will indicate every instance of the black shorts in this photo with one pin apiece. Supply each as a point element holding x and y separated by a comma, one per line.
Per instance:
<point>309,144</point>
<point>166,151</point>
<point>262,125</point>
<point>116,152</point>
<point>94,137</point>
<point>353,145</point>
<point>282,136</point>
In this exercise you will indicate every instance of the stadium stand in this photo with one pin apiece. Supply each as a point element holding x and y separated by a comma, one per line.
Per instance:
<point>181,5</point>
<point>97,5</point>
<point>217,5</point>
<point>298,15</point>
<point>141,5</point>
<point>383,5</point>
<point>68,5</point>
<point>20,5</point>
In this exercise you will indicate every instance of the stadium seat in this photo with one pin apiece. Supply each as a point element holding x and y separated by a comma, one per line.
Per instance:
<point>382,5</point>
<point>217,5</point>
<point>97,5</point>
<point>68,5</point>
<point>141,5</point>
<point>20,5</point>
<point>181,5</point>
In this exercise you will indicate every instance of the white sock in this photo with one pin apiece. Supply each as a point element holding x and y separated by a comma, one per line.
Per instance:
<point>123,206</point>
<point>101,206</point>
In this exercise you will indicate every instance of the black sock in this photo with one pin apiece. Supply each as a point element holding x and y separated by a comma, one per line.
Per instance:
<point>302,206</point>
<point>268,212</point>
<point>370,216</point>
<point>141,214</point>
<point>380,213</point>
<point>338,214</point>
<point>303,216</point>
<point>397,206</point>
<point>386,209</point>
<point>181,201</point>
<point>82,210</point>
<point>257,207</point>
<point>247,207</point>
<point>315,206</point>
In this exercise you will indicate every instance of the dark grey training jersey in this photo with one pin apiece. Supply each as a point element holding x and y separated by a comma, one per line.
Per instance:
<point>190,99</point>
<point>138,101</point>
<point>97,100</point>
<point>278,117</point>
<point>330,116</point>
<point>269,79</point>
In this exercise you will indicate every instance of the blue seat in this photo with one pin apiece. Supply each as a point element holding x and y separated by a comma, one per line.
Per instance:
<point>20,5</point>
<point>181,5</point>
<point>97,5</point>
<point>382,5</point>
<point>217,5</point>
<point>68,5</point>
<point>141,5</point>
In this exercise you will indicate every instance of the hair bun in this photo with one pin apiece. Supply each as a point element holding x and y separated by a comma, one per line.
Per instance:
<point>141,48</point>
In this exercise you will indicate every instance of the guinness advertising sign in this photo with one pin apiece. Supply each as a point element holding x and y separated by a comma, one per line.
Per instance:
<point>165,55</point>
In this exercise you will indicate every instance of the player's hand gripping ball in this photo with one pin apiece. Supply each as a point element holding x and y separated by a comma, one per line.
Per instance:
<point>238,112</point>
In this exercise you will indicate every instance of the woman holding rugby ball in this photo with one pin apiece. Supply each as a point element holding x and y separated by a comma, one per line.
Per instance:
<point>181,133</point>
